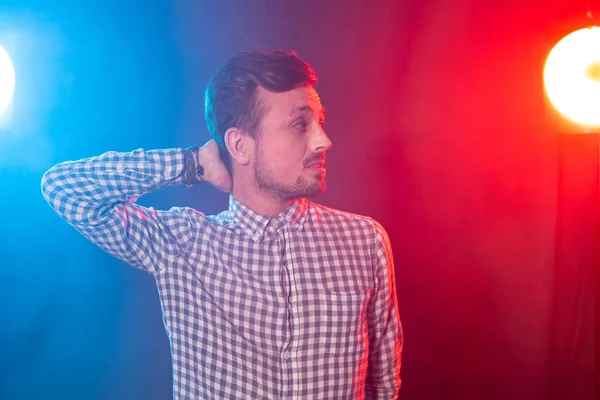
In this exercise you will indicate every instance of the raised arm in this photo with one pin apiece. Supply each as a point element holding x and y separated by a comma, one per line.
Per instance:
<point>96,196</point>
<point>385,329</point>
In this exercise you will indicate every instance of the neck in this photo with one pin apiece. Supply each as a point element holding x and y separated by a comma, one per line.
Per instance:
<point>258,201</point>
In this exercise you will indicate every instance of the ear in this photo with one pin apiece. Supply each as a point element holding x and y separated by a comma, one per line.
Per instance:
<point>238,144</point>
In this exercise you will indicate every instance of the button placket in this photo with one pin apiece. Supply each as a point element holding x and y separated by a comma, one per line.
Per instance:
<point>285,287</point>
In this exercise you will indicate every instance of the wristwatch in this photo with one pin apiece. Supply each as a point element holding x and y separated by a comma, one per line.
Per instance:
<point>193,171</point>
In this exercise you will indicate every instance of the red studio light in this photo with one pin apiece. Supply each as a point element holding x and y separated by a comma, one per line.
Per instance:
<point>572,77</point>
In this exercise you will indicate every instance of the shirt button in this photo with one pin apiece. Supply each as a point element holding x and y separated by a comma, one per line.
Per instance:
<point>286,355</point>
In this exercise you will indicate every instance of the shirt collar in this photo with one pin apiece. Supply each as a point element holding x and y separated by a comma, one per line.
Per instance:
<point>257,225</point>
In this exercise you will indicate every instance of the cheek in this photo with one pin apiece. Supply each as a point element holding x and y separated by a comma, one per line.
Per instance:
<point>285,152</point>
<point>285,165</point>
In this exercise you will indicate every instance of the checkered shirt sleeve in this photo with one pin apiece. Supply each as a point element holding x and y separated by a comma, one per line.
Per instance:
<point>385,331</point>
<point>96,196</point>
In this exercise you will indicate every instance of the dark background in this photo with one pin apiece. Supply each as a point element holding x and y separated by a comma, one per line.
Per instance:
<point>440,131</point>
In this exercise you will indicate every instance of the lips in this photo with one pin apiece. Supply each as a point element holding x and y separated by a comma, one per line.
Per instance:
<point>319,163</point>
<point>317,168</point>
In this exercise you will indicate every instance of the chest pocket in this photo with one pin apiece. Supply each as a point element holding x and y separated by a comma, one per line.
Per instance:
<point>340,322</point>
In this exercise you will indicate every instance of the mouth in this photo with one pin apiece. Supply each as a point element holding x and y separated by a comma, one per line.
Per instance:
<point>317,164</point>
<point>320,167</point>
<point>317,170</point>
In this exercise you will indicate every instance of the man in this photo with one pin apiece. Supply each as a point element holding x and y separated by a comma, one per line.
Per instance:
<point>275,298</point>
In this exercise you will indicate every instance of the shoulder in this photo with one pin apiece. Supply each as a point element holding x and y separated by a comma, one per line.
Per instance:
<point>196,217</point>
<point>187,212</point>
<point>346,220</point>
<point>200,226</point>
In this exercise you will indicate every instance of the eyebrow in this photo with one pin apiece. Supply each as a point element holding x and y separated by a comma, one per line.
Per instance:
<point>305,109</point>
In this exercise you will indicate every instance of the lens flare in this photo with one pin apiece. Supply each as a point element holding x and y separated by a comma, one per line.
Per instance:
<point>7,79</point>
<point>572,76</point>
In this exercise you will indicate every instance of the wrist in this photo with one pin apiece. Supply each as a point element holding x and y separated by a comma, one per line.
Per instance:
<point>193,171</point>
<point>202,156</point>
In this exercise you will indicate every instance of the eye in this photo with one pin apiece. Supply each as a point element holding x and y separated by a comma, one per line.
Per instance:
<point>301,125</point>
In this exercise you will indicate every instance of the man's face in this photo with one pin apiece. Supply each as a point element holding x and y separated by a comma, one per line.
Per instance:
<point>290,149</point>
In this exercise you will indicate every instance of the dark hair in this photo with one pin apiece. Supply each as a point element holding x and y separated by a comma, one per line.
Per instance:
<point>231,100</point>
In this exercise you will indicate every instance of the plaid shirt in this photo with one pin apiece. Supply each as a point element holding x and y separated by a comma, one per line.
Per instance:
<point>302,305</point>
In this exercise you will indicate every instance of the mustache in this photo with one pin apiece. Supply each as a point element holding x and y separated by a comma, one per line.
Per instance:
<point>316,159</point>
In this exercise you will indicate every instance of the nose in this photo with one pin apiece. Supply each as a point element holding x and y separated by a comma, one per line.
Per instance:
<point>321,142</point>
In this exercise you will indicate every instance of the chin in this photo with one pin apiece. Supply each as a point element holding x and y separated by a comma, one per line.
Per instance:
<point>323,186</point>
<point>318,189</point>
<point>303,187</point>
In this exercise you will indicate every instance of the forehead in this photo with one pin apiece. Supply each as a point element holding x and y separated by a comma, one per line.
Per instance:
<point>282,104</point>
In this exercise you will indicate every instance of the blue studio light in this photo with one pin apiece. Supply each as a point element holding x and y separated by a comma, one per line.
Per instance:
<point>7,79</point>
